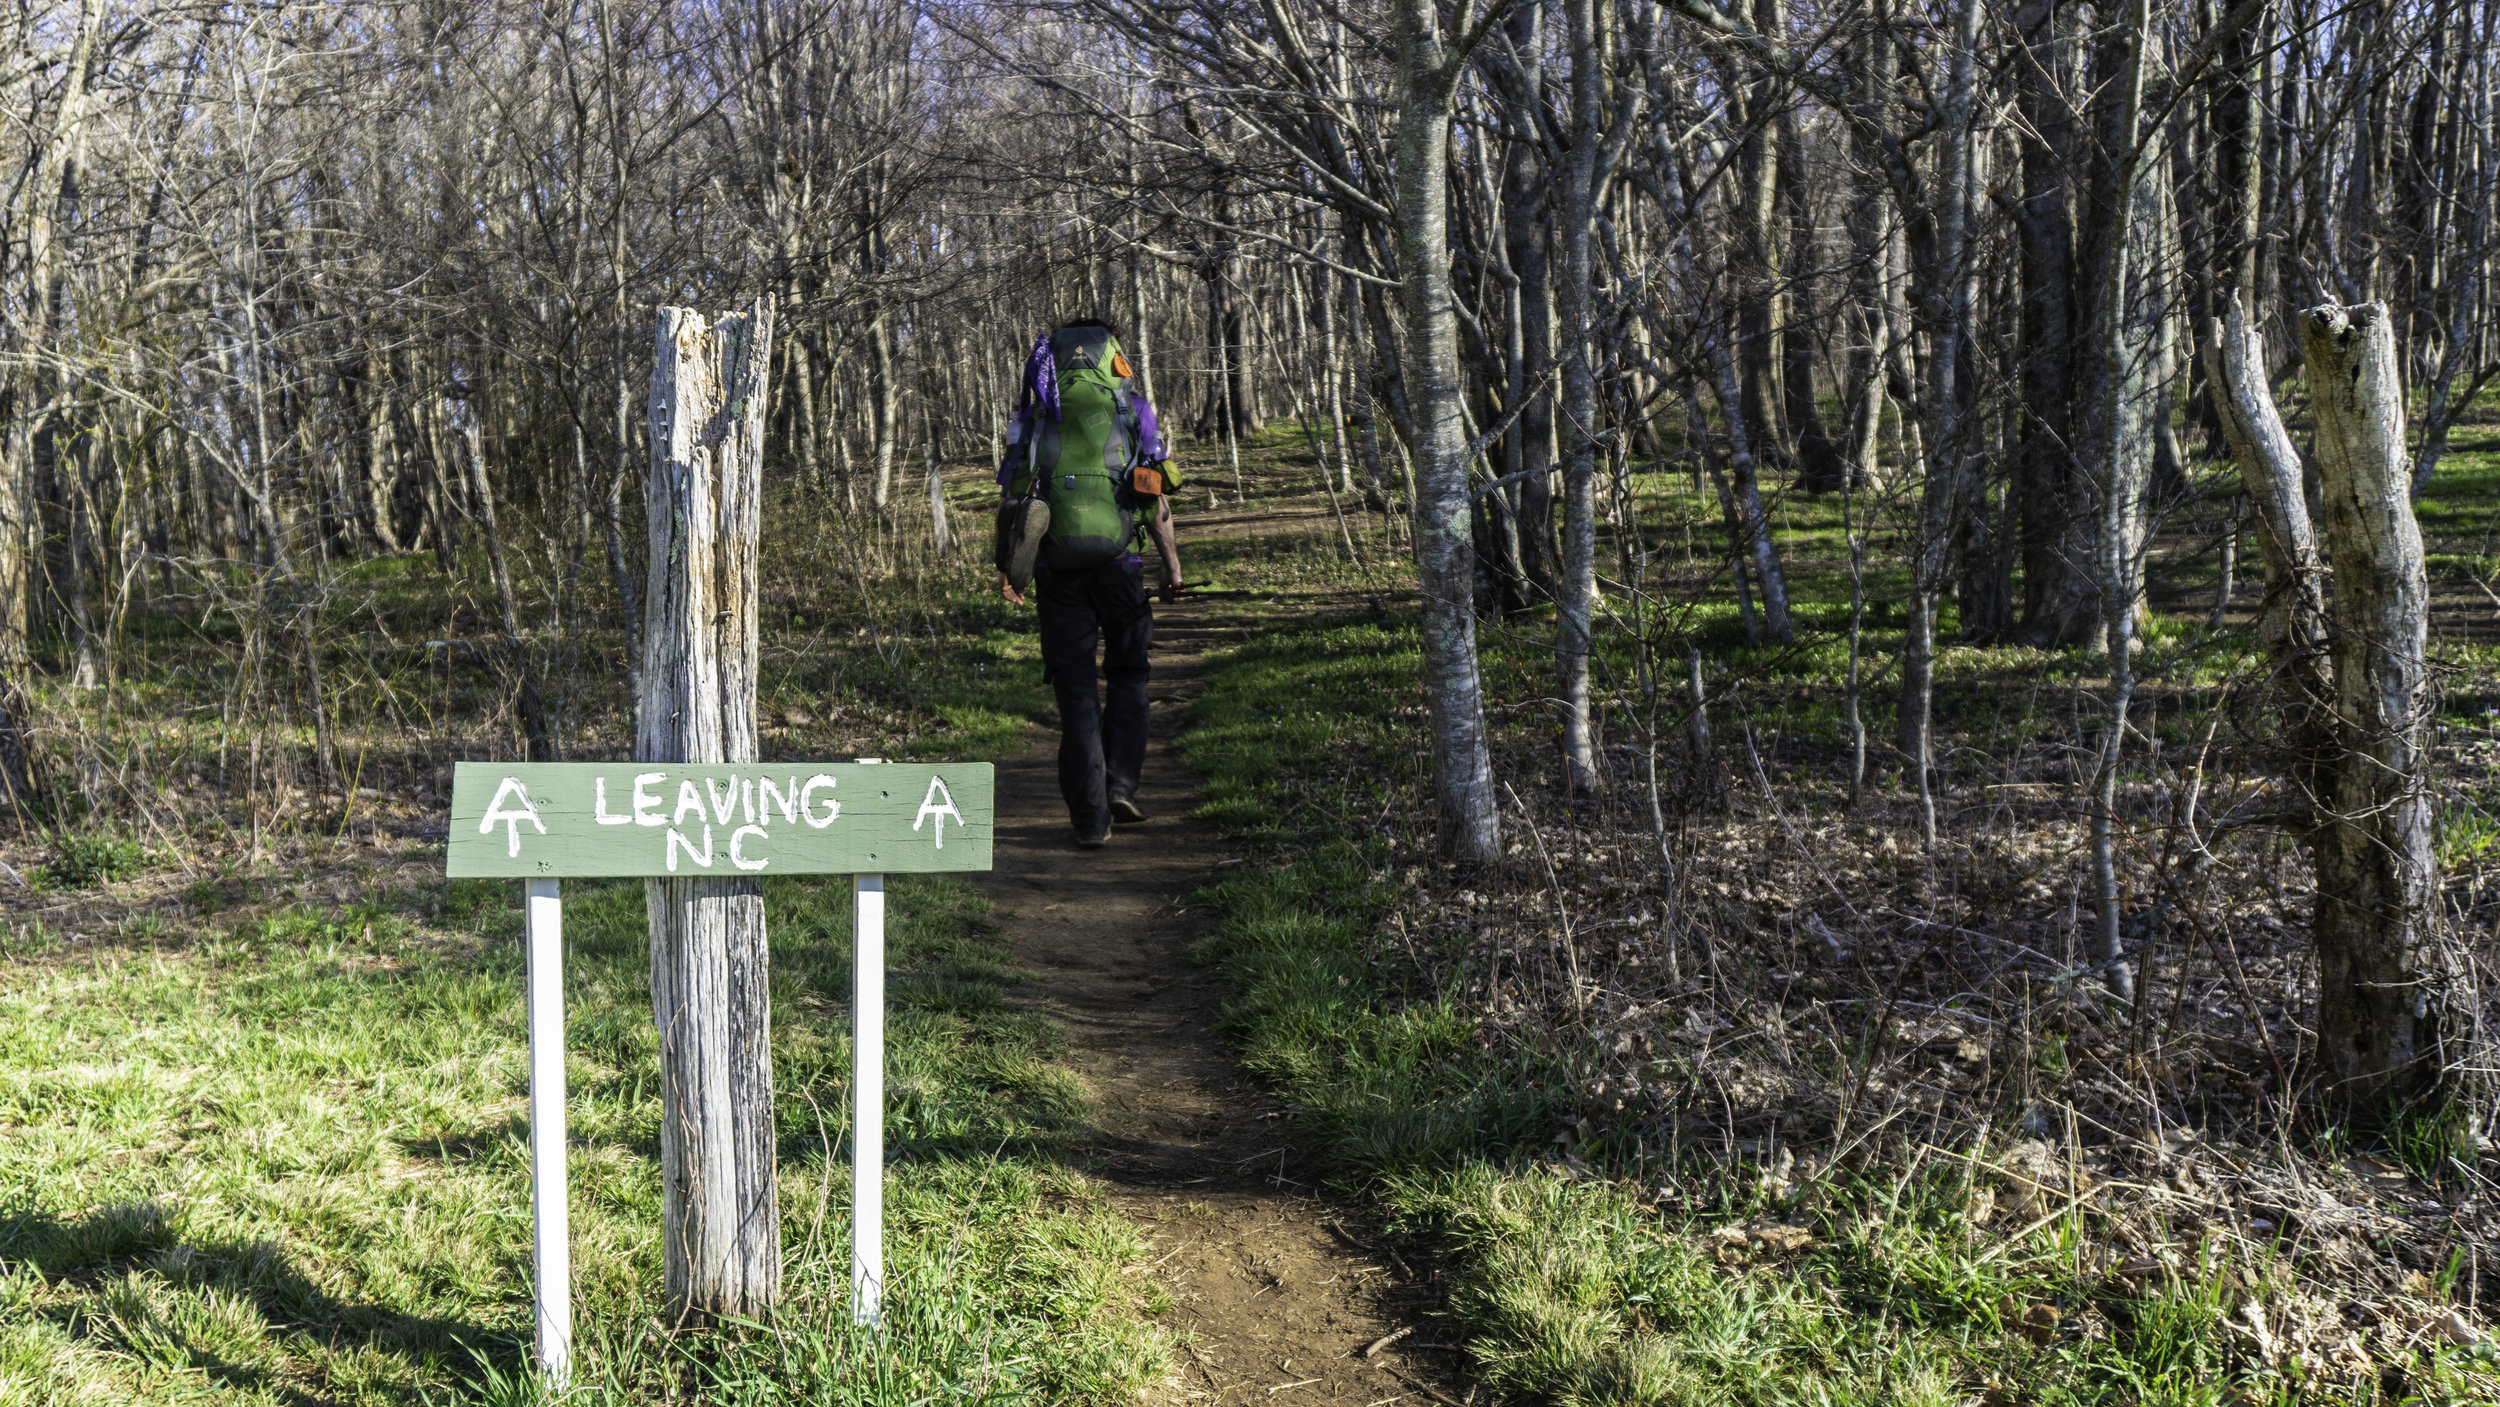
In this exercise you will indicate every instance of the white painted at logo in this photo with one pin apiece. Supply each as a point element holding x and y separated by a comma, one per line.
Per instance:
<point>939,803</point>
<point>513,819</point>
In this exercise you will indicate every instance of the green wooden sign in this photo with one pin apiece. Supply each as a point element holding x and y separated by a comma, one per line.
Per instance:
<point>553,820</point>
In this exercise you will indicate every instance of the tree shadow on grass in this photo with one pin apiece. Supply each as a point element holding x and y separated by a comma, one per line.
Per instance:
<point>233,1311</point>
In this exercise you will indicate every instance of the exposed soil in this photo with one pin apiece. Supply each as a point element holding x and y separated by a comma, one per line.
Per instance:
<point>1276,1289</point>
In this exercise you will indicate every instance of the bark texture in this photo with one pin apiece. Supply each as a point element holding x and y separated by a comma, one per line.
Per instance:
<point>720,1213</point>
<point>1462,762</point>
<point>2291,622</point>
<point>2393,998</point>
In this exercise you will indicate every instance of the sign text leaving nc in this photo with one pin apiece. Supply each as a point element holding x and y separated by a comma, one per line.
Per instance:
<point>550,820</point>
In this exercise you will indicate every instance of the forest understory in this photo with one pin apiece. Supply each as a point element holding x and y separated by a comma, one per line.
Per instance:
<point>1889,1088</point>
<point>1720,1086</point>
<point>1853,667</point>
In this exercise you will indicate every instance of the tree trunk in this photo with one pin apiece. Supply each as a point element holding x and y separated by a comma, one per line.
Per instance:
<point>1870,238</point>
<point>1462,763</point>
<point>1755,266</point>
<point>73,470</point>
<point>1697,435</point>
<point>2394,1002</point>
<point>1240,374</point>
<point>938,532</point>
<point>1951,297</point>
<point>2116,374</point>
<point>612,515</point>
<point>1576,605</point>
<point>1820,465</point>
<point>1332,373</point>
<point>803,413</point>
<point>2058,586</point>
<point>885,395</point>
<point>2291,622</point>
<point>2459,339</point>
<point>1138,342</point>
<point>22,395</point>
<point>710,994</point>
<point>1758,541</point>
<point>1530,443</point>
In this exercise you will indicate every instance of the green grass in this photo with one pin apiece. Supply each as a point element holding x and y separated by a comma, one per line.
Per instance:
<point>285,1161</point>
<point>278,1155</point>
<point>1872,1293</point>
<point>83,860</point>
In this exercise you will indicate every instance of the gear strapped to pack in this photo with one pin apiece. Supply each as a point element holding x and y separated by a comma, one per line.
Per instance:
<point>1091,460</point>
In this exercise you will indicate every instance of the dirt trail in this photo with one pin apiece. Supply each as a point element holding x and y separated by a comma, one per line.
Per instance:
<point>1276,1290</point>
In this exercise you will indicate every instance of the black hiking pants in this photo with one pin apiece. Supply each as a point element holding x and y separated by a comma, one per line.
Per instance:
<point>1102,740</point>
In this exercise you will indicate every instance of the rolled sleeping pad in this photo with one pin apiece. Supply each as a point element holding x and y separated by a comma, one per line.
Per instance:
<point>1021,526</point>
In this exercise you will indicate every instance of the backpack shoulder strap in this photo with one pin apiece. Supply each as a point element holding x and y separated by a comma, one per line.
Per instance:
<point>1132,429</point>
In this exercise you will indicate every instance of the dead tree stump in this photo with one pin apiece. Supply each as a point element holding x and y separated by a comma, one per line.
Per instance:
<point>710,994</point>
<point>2392,998</point>
<point>2352,683</point>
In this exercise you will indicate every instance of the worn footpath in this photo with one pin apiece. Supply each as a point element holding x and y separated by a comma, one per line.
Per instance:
<point>1279,1293</point>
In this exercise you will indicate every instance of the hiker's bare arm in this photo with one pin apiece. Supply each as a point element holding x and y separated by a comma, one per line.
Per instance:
<point>1159,527</point>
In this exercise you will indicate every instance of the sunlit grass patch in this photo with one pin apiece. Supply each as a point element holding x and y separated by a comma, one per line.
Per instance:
<point>1850,1290</point>
<point>287,1157</point>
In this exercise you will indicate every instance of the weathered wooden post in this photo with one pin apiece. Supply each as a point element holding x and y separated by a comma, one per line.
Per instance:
<point>720,1212</point>
<point>2392,997</point>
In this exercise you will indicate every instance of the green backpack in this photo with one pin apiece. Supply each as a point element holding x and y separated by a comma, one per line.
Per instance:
<point>1080,463</point>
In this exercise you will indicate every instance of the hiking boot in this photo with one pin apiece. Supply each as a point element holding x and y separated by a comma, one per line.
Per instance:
<point>1093,841</point>
<point>1126,812</point>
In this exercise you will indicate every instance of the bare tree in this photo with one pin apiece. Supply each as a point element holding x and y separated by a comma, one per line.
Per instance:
<point>1430,64</point>
<point>2393,997</point>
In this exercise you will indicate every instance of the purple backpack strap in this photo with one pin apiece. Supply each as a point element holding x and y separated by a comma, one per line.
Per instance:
<point>1041,376</point>
<point>1149,435</point>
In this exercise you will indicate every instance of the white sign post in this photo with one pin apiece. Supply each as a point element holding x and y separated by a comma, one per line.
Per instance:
<point>867,1098</point>
<point>551,1249</point>
<point>543,821</point>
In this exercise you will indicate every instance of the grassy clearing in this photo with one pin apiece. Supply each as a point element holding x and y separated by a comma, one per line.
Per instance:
<point>284,1160</point>
<point>262,1079</point>
<point>1738,1173</point>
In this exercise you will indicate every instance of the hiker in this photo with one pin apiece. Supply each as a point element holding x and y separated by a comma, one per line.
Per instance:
<point>1085,478</point>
